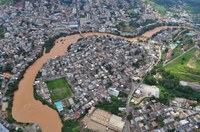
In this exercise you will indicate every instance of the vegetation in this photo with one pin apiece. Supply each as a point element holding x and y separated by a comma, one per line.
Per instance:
<point>68,2</point>
<point>59,89</point>
<point>12,87</point>
<point>130,116</point>
<point>122,94</point>
<point>51,41</point>
<point>170,88</point>
<point>180,67</point>
<point>122,26</point>
<point>71,126</point>
<point>159,120</point>
<point>112,106</point>
<point>8,68</point>
<point>2,31</point>
<point>132,13</point>
<point>193,6</point>
<point>158,7</point>
<point>44,102</point>
<point>2,2</point>
<point>172,74</point>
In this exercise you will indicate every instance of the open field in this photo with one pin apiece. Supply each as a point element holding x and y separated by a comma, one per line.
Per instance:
<point>160,8</point>
<point>5,1</point>
<point>192,5</point>
<point>59,89</point>
<point>181,67</point>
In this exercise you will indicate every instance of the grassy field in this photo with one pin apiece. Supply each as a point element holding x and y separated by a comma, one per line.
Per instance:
<point>59,88</point>
<point>160,8</point>
<point>5,2</point>
<point>193,6</point>
<point>181,69</point>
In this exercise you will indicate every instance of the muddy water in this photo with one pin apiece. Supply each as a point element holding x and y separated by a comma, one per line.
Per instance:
<point>28,110</point>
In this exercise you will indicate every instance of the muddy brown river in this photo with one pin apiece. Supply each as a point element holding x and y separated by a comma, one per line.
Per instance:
<point>28,110</point>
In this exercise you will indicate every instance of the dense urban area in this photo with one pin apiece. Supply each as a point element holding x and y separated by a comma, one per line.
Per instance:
<point>100,65</point>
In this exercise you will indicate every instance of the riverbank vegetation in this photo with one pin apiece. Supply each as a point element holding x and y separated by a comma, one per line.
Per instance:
<point>51,41</point>
<point>12,87</point>
<point>59,89</point>
<point>44,102</point>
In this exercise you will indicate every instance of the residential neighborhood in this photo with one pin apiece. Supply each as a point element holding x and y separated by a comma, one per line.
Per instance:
<point>99,65</point>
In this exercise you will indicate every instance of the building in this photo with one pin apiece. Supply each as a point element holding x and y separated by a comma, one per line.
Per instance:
<point>183,122</point>
<point>4,106</point>
<point>116,123</point>
<point>59,106</point>
<point>71,101</point>
<point>169,54</point>
<point>113,91</point>
<point>3,129</point>
<point>107,119</point>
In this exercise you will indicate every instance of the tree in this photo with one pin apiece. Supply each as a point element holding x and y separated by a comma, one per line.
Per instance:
<point>150,80</point>
<point>8,67</point>
<point>183,58</point>
<point>130,116</point>
<point>166,50</point>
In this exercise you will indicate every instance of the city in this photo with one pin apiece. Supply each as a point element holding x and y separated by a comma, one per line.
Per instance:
<point>99,66</point>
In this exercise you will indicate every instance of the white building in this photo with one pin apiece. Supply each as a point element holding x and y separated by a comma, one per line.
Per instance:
<point>3,129</point>
<point>113,91</point>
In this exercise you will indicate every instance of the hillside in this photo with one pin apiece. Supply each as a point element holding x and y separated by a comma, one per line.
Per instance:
<point>191,6</point>
<point>187,67</point>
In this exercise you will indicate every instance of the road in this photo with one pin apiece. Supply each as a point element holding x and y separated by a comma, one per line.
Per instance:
<point>127,123</point>
<point>179,34</point>
<point>134,86</point>
<point>160,55</point>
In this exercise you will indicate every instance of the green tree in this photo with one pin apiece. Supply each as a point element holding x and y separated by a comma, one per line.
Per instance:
<point>130,116</point>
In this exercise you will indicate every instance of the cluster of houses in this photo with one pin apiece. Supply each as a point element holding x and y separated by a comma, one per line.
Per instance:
<point>97,67</point>
<point>28,25</point>
<point>171,39</point>
<point>155,116</point>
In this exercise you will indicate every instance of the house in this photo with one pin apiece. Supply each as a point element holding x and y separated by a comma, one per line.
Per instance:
<point>169,54</point>
<point>186,47</point>
<point>113,91</point>
<point>183,122</point>
<point>3,129</point>
<point>71,101</point>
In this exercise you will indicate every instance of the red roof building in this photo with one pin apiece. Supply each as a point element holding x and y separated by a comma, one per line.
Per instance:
<point>169,54</point>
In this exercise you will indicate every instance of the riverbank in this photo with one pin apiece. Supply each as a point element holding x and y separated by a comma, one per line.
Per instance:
<point>26,108</point>
<point>142,36</point>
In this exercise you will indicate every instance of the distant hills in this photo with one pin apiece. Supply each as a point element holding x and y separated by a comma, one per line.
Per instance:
<point>192,6</point>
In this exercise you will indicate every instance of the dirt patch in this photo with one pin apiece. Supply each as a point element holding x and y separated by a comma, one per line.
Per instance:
<point>193,61</point>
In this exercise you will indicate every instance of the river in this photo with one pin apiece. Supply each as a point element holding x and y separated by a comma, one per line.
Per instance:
<point>28,110</point>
